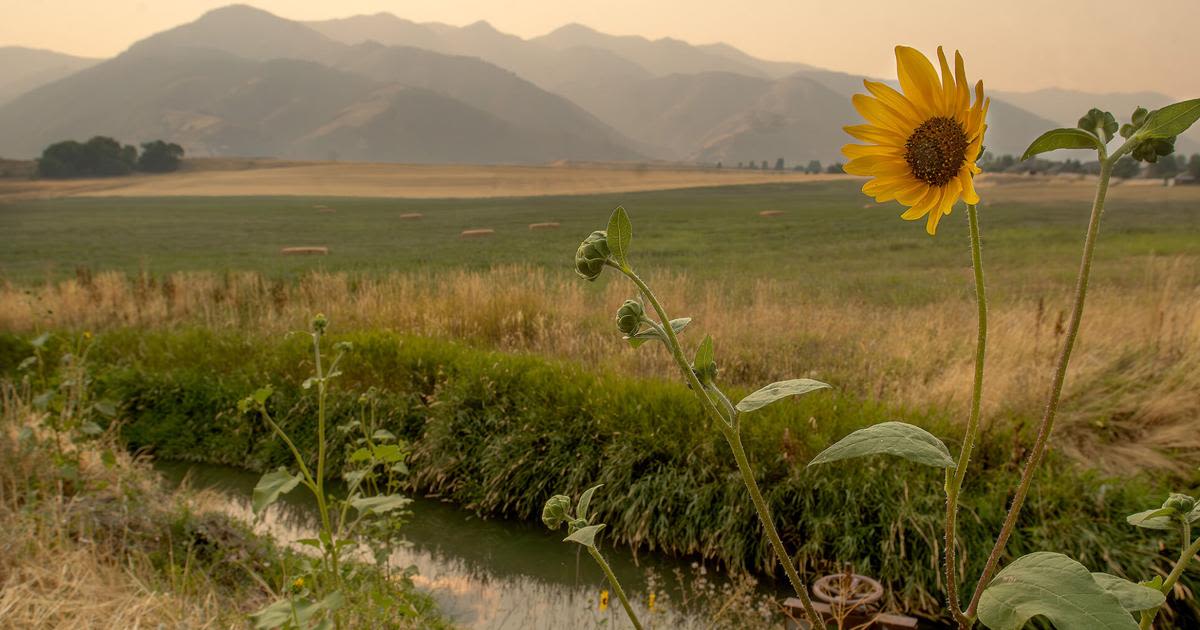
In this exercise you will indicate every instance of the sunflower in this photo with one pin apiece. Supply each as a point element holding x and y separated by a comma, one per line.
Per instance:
<point>922,143</point>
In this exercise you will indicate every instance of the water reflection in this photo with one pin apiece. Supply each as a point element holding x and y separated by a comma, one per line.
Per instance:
<point>483,573</point>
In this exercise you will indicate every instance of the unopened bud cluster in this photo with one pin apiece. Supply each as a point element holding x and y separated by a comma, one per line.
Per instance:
<point>593,252</point>
<point>630,317</point>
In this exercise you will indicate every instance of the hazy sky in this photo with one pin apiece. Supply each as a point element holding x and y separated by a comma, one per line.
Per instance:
<point>1097,45</point>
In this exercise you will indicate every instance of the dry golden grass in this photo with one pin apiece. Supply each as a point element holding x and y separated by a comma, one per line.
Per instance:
<point>1132,399</point>
<point>68,557</point>
<point>353,179</point>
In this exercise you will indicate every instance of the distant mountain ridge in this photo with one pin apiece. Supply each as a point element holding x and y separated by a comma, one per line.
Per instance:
<point>240,81</point>
<point>25,69</point>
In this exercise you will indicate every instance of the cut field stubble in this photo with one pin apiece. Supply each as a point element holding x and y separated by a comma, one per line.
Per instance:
<point>1133,389</point>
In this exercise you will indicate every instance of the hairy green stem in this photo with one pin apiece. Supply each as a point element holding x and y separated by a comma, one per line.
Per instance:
<point>322,503</point>
<point>616,585</point>
<point>954,484</point>
<point>729,429</point>
<point>1060,375</point>
<point>1185,557</point>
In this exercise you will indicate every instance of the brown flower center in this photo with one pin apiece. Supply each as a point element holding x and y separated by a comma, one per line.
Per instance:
<point>936,150</point>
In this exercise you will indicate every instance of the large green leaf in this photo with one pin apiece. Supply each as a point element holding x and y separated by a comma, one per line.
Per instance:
<point>620,233</point>
<point>776,391</point>
<point>585,536</point>
<point>1065,138</point>
<point>1171,120</point>
<point>379,504</point>
<point>1055,587</point>
<point>890,438</point>
<point>270,486</point>
<point>1133,597</point>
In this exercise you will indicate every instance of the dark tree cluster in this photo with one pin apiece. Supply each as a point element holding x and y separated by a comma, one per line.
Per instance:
<point>105,157</point>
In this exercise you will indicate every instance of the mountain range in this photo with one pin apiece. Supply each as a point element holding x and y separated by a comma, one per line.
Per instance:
<point>239,81</point>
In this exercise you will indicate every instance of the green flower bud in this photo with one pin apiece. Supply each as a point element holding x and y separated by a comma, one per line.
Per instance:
<point>1181,503</point>
<point>1150,149</point>
<point>1135,122</point>
<point>555,513</point>
<point>629,317</point>
<point>319,323</point>
<point>591,255</point>
<point>1100,123</point>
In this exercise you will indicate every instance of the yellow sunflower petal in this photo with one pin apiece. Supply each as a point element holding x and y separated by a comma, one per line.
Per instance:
<point>897,188</point>
<point>922,207</point>
<point>879,114</point>
<point>896,101</point>
<point>867,164</point>
<point>944,207</point>
<point>963,88</point>
<point>918,79</point>
<point>875,135</point>
<point>968,187</point>
<point>859,150</point>
<point>949,92</point>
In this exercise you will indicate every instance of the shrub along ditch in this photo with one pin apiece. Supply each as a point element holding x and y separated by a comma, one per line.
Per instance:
<point>500,433</point>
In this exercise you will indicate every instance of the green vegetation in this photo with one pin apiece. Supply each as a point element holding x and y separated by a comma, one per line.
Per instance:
<point>104,157</point>
<point>501,433</point>
<point>93,539</point>
<point>825,236</point>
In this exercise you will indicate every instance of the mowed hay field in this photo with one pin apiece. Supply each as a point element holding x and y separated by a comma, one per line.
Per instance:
<point>834,287</point>
<point>235,177</point>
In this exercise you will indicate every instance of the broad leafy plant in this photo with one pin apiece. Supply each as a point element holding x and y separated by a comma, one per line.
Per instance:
<point>1045,585</point>
<point>370,507</point>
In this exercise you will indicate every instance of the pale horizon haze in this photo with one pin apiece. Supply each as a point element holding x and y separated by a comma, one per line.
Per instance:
<point>1019,45</point>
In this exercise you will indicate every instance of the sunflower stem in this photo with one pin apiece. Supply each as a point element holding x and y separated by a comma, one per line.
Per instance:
<point>954,484</point>
<point>616,585</point>
<point>1060,375</point>
<point>729,429</point>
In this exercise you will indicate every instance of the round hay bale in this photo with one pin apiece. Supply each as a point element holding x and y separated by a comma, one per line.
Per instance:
<point>549,225</point>
<point>408,216</point>
<point>770,213</point>
<point>477,233</point>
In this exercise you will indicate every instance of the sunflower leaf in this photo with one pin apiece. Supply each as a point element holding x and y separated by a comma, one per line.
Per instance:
<point>585,536</point>
<point>889,438</point>
<point>1064,138</point>
<point>1171,120</point>
<point>776,391</point>
<point>620,233</point>
<point>1133,597</point>
<point>1053,586</point>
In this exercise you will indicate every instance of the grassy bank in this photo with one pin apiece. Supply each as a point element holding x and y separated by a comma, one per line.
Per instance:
<point>501,432</point>
<point>93,539</point>
<point>1131,400</point>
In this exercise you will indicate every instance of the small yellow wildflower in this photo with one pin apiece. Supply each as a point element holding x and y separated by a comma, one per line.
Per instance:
<point>650,605</point>
<point>603,600</point>
<point>87,335</point>
<point>298,583</point>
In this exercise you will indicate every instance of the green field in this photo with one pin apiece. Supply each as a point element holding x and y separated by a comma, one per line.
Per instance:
<point>830,238</point>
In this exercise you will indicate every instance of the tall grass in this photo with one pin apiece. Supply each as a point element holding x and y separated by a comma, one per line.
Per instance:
<point>500,433</point>
<point>1132,399</point>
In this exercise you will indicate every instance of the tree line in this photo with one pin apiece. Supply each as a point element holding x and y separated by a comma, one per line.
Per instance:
<point>105,157</point>
<point>1126,168</point>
